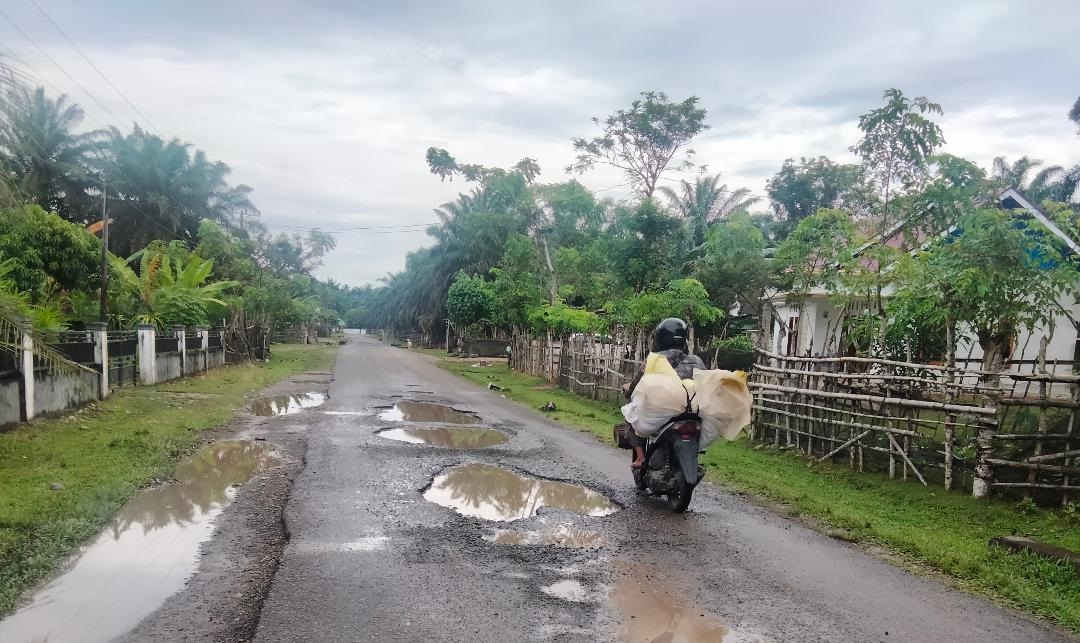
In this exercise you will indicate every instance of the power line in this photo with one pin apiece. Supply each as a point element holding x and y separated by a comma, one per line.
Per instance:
<point>95,67</point>
<point>60,67</point>
<point>389,228</point>
<point>51,84</point>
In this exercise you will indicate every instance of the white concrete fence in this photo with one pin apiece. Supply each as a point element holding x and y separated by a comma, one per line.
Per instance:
<point>28,390</point>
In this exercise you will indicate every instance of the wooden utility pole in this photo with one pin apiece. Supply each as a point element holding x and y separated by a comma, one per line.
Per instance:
<point>104,307</point>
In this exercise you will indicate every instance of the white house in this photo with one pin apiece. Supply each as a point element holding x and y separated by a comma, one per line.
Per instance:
<point>813,326</point>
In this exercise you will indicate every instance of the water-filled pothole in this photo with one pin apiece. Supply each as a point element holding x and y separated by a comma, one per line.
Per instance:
<point>494,493</point>
<point>561,536</point>
<point>411,411</point>
<point>144,555</point>
<point>449,437</point>
<point>655,611</point>
<point>286,404</point>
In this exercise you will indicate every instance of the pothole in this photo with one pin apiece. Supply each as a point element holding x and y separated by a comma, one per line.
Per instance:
<point>653,610</point>
<point>411,411</point>
<point>493,493</point>
<point>144,555</point>
<point>286,404</point>
<point>449,437</point>
<point>561,536</point>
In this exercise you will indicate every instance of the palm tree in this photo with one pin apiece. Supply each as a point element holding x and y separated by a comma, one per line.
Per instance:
<point>47,161</point>
<point>705,201</point>
<point>1050,183</point>
<point>1015,174</point>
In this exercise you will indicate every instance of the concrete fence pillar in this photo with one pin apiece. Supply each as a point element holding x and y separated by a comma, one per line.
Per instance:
<point>203,333</point>
<point>99,332</point>
<point>181,342</point>
<point>147,350</point>
<point>28,374</point>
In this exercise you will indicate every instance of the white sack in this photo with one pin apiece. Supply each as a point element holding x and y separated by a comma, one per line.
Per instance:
<point>657,398</point>
<point>723,401</point>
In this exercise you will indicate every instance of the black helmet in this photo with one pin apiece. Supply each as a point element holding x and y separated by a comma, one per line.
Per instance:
<point>670,333</point>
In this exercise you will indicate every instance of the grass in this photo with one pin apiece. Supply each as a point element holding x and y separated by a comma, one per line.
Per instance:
<point>105,452</point>
<point>926,528</point>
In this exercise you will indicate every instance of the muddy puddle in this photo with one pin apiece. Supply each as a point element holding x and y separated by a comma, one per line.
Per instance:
<point>651,610</point>
<point>286,404</point>
<point>493,493</point>
<point>561,536</point>
<point>449,437</point>
<point>143,556</point>
<point>409,411</point>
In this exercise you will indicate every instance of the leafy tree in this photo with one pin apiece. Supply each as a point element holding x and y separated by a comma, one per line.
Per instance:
<point>733,267</point>
<point>469,300</point>
<point>562,320</point>
<point>47,254</point>
<point>688,300</point>
<point>1000,272</point>
<point>800,189</point>
<point>705,202</point>
<point>1074,113</point>
<point>46,159</point>
<point>646,242</point>
<point>644,140</point>
<point>815,253</point>
<point>517,283</point>
<point>898,139</point>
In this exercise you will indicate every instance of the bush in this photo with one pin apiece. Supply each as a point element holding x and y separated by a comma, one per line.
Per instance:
<point>734,353</point>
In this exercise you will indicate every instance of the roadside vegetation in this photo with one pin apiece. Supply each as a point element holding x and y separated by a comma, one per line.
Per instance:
<point>944,532</point>
<point>61,479</point>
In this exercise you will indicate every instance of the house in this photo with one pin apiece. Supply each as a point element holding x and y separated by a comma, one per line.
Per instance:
<point>813,325</point>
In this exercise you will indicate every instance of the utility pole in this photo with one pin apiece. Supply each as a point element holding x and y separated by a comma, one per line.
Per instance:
<point>104,307</point>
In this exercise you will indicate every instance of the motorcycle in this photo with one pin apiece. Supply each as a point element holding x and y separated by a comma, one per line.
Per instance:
<point>671,466</point>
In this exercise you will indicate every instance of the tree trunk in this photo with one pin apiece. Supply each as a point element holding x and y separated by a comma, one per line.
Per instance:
<point>551,270</point>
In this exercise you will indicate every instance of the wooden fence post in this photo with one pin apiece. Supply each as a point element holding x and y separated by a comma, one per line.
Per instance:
<point>984,452</point>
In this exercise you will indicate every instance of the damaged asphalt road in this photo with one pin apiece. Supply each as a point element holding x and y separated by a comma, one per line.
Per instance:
<point>396,519</point>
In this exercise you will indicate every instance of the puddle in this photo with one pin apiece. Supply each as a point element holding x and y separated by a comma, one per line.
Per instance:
<point>451,438</point>
<point>143,556</point>
<point>286,404</point>
<point>561,536</point>
<point>568,590</point>
<point>652,610</point>
<point>427,412</point>
<point>492,493</point>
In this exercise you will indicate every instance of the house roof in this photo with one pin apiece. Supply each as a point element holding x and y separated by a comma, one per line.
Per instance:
<point>1012,199</point>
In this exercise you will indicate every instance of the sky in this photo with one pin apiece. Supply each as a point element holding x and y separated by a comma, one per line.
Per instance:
<point>326,109</point>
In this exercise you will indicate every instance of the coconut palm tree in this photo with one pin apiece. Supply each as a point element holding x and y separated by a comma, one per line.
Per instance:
<point>706,201</point>
<point>1050,183</point>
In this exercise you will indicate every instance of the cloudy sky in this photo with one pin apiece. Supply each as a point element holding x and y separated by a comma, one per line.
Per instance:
<point>326,109</point>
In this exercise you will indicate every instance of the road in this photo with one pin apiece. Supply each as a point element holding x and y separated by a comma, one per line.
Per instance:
<point>370,559</point>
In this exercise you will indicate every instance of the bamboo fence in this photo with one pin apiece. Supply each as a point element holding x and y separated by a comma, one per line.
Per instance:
<point>1009,433</point>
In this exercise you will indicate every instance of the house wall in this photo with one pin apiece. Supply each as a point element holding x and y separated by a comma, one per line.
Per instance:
<point>818,327</point>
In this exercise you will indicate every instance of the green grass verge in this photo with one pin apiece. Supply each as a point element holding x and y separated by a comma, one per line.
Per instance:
<point>105,452</point>
<point>927,528</point>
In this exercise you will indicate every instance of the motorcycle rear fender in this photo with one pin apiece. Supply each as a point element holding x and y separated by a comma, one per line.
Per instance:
<point>687,453</point>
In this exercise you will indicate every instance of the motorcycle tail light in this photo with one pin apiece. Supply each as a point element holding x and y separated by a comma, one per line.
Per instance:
<point>687,430</point>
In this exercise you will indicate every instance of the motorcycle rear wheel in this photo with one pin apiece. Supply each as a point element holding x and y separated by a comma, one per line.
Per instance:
<point>679,498</point>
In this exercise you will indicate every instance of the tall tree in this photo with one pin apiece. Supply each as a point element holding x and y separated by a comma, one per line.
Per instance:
<point>898,138</point>
<point>1074,113</point>
<point>44,156</point>
<point>800,189</point>
<point>706,201</point>
<point>644,140</point>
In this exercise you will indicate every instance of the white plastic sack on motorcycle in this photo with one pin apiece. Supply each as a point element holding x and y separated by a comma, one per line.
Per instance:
<point>723,401</point>
<point>657,398</point>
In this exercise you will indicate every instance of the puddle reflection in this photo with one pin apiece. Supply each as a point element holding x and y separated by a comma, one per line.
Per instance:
<point>143,556</point>
<point>286,404</point>
<point>561,536</point>
<point>427,412</point>
<point>492,493</point>
<point>450,438</point>
<point>652,610</point>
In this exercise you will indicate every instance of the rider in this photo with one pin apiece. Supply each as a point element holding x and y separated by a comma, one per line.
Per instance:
<point>669,340</point>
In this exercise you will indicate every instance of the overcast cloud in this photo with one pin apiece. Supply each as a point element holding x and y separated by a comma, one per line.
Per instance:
<point>326,109</point>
